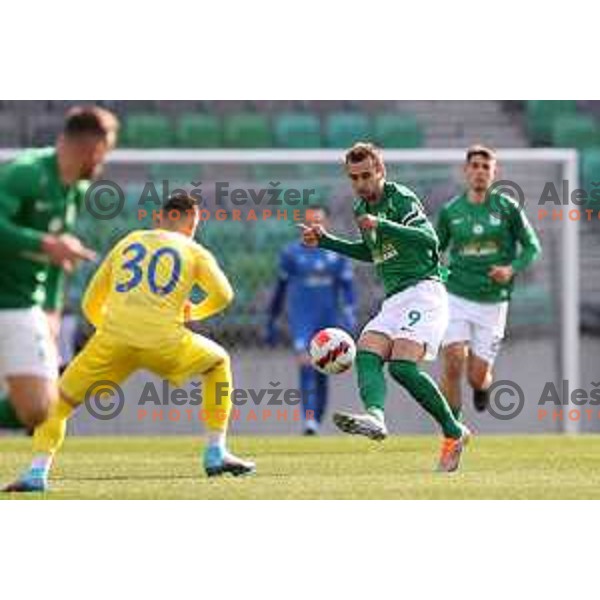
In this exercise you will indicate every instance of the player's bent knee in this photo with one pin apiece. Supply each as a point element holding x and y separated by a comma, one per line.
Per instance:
<point>222,360</point>
<point>68,399</point>
<point>376,343</point>
<point>32,398</point>
<point>32,416</point>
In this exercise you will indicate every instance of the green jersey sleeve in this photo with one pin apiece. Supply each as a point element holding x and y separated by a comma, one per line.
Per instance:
<point>443,230</point>
<point>357,250</point>
<point>18,184</point>
<point>408,222</point>
<point>408,234</point>
<point>531,249</point>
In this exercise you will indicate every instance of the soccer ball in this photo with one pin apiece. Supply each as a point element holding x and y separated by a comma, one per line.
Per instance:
<point>332,351</point>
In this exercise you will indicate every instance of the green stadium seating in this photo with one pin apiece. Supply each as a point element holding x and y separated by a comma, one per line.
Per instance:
<point>297,130</point>
<point>147,131</point>
<point>541,115</point>
<point>199,131</point>
<point>344,129</point>
<point>247,131</point>
<point>575,131</point>
<point>398,131</point>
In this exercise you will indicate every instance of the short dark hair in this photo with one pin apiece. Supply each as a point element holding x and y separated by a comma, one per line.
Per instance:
<point>90,120</point>
<point>361,151</point>
<point>480,150</point>
<point>179,201</point>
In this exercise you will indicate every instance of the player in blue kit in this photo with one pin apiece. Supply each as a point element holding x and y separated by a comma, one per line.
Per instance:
<point>318,287</point>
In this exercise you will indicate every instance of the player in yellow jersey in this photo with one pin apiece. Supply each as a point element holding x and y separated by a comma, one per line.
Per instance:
<point>138,303</point>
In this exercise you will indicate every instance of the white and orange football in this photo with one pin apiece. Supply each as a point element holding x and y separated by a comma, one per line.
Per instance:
<point>332,351</point>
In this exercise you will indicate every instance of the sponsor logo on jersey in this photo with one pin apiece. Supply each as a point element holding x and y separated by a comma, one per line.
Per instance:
<point>41,206</point>
<point>55,225</point>
<point>386,253</point>
<point>480,249</point>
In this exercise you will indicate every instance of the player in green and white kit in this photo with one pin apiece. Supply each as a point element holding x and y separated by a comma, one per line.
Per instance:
<point>40,194</point>
<point>399,239</point>
<point>489,241</point>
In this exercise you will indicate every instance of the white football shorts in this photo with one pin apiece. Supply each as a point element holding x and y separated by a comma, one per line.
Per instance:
<point>419,313</point>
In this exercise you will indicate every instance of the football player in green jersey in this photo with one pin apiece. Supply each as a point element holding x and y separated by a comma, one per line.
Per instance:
<point>40,194</point>
<point>489,241</point>
<point>402,244</point>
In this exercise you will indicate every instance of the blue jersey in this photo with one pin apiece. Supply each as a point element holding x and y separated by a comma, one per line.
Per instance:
<point>319,289</point>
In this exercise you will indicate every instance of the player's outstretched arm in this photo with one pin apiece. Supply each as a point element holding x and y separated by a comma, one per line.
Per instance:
<point>212,280</point>
<point>408,233</point>
<point>315,235</point>
<point>356,249</point>
<point>531,248</point>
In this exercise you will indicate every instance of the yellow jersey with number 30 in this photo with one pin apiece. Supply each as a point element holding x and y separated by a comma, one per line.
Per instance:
<point>140,291</point>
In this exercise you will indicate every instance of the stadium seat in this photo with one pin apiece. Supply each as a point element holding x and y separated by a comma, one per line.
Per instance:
<point>398,131</point>
<point>344,129</point>
<point>199,131</point>
<point>298,130</point>
<point>575,131</point>
<point>147,131</point>
<point>541,115</point>
<point>247,131</point>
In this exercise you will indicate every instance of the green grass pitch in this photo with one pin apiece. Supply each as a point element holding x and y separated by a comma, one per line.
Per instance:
<point>309,468</point>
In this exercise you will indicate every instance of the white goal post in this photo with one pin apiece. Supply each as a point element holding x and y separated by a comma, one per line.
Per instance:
<point>567,159</point>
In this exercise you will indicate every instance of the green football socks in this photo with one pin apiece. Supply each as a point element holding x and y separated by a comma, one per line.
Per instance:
<point>426,392</point>
<point>371,380</point>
